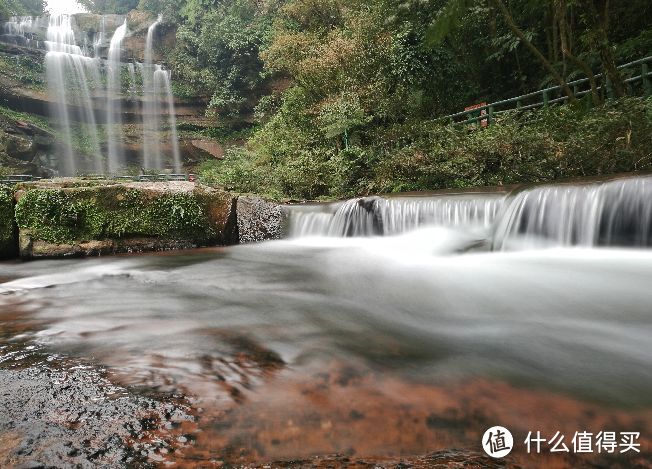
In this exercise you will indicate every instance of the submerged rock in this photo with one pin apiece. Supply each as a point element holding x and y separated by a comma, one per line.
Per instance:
<point>70,217</point>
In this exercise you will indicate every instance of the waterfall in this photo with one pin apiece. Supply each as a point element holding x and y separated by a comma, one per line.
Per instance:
<point>99,37</point>
<point>151,146</point>
<point>74,73</point>
<point>612,213</point>
<point>18,25</point>
<point>67,72</point>
<point>114,101</point>
<point>162,83</point>
<point>379,216</point>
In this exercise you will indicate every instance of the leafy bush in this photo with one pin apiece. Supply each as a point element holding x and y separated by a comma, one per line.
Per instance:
<point>7,234</point>
<point>107,212</point>
<point>288,157</point>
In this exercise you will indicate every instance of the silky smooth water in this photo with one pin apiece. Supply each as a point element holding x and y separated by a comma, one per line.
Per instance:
<point>85,108</point>
<point>304,346</point>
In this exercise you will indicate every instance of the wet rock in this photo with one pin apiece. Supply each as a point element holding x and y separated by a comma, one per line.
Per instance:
<point>259,219</point>
<point>73,417</point>
<point>71,217</point>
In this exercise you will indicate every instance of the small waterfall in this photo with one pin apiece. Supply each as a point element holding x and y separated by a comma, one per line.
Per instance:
<point>18,25</point>
<point>379,216</point>
<point>612,213</point>
<point>99,37</point>
<point>114,101</point>
<point>67,69</point>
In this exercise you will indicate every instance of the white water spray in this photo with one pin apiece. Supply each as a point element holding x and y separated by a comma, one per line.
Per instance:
<point>113,102</point>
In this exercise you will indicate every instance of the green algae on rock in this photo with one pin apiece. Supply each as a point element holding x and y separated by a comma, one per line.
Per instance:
<point>63,218</point>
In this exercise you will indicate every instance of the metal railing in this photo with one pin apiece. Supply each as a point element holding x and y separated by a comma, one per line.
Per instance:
<point>17,178</point>
<point>555,94</point>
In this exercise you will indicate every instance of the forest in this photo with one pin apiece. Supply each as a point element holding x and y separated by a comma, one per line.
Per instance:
<point>323,99</point>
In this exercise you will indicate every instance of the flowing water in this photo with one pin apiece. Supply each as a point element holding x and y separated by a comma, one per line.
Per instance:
<point>382,328</point>
<point>87,96</point>
<point>114,101</point>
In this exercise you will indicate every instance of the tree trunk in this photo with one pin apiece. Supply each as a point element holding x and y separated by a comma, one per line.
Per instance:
<point>561,8</point>
<point>599,14</point>
<point>537,53</point>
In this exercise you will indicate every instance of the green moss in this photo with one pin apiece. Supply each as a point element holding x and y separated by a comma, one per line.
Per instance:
<point>113,212</point>
<point>7,232</point>
<point>27,70</point>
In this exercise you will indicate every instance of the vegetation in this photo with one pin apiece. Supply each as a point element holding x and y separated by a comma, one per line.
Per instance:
<point>20,8</point>
<point>26,69</point>
<point>7,234</point>
<point>535,146</point>
<point>345,92</point>
<point>334,98</point>
<point>109,6</point>
<point>67,215</point>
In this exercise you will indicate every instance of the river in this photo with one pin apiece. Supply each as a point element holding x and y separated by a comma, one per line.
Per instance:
<point>352,348</point>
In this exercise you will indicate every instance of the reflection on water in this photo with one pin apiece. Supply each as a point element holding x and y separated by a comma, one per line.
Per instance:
<point>308,346</point>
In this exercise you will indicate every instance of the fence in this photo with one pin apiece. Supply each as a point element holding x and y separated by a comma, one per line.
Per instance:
<point>641,83</point>
<point>16,178</point>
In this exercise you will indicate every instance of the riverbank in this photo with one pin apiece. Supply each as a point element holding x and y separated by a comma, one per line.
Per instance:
<point>74,217</point>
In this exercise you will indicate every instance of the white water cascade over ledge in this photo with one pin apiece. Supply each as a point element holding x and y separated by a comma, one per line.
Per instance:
<point>88,96</point>
<point>614,213</point>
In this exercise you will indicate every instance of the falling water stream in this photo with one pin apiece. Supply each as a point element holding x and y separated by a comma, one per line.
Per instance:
<point>114,100</point>
<point>380,328</point>
<point>86,108</point>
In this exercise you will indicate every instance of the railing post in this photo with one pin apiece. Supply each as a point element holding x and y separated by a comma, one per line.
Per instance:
<point>647,85</point>
<point>490,113</point>
<point>519,105</point>
<point>545,98</point>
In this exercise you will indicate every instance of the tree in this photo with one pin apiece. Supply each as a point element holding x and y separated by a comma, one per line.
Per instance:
<point>450,18</point>
<point>109,6</point>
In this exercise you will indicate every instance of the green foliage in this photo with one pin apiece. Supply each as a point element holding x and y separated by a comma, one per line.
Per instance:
<point>89,213</point>
<point>20,8</point>
<point>448,20</point>
<point>216,52</point>
<point>109,6</point>
<point>7,235</point>
<point>25,69</point>
<point>558,142</point>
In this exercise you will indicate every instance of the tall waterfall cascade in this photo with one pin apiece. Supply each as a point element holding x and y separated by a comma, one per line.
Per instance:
<point>611,213</point>
<point>156,82</point>
<point>90,97</point>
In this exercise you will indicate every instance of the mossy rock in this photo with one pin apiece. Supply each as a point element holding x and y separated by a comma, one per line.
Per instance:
<point>8,242</point>
<point>167,214</point>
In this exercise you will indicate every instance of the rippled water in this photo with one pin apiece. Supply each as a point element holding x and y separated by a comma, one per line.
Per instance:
<point>413,313</point>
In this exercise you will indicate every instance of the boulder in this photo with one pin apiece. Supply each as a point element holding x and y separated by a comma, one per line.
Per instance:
<point>259,219</point>
<point>69,217</point>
